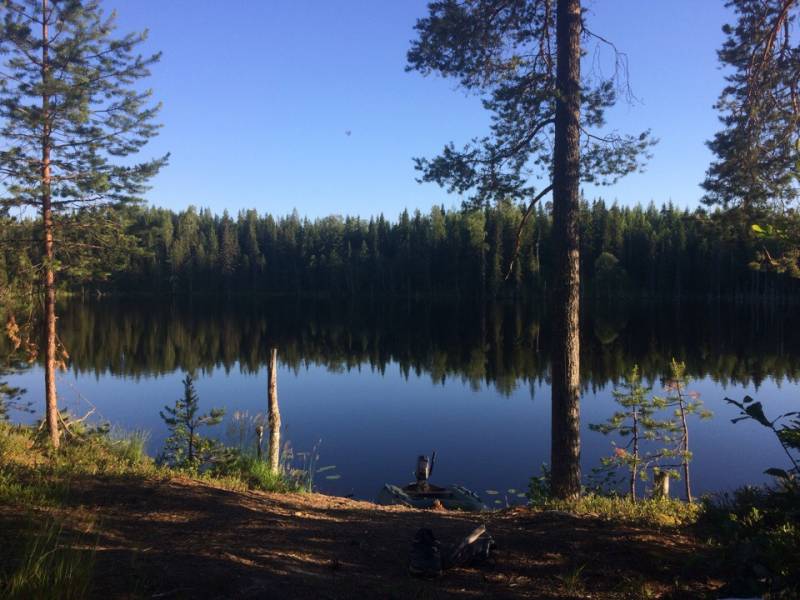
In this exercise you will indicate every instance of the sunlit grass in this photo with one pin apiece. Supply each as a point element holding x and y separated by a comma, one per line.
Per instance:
<point>250,472</point>
<point>50,567</point>
<point>661,512</point>
<point>33,475</point>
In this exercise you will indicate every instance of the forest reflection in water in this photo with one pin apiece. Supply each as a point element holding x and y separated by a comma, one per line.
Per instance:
<point>500,344</point>
<point>380,382</point>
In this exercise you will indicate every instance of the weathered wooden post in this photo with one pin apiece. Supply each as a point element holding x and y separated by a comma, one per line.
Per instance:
<point>259,439</point>
<point>273,413</point>
<point>661,484</point>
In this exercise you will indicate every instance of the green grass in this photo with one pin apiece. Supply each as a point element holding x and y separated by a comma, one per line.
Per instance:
<point>130,447</point>
<point>662,512</point>
<point>248,472</point>
<point>54,563</point>
<point>50,567</point>
<point>31,474</point>
<point>572,581</point>
<point>30,488</point>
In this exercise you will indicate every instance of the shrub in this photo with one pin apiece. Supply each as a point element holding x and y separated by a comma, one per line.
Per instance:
<point>758,534</point>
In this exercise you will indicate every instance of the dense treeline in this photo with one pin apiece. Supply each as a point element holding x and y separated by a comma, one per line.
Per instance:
<point>645,250</point>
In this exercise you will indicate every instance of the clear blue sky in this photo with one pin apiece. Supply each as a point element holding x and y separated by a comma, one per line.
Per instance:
<point>258,95</point>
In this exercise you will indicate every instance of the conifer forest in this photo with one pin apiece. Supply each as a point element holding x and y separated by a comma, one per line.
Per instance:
<point>442,299</point>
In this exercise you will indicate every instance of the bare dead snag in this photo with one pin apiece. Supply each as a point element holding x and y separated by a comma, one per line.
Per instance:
<point>273,413</point>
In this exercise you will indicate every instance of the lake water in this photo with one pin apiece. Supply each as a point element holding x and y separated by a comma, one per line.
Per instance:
<point>374,385</point>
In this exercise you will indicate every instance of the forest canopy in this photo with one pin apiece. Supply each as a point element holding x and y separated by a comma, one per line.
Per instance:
<point>638,250</point>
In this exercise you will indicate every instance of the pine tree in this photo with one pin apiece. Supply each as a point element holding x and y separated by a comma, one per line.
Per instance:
<point>523,56</point>
<point>638,426</point>
<point>69,110</point>
<point>756,173</point>
<point>185,447</point>
<point>685,403</point>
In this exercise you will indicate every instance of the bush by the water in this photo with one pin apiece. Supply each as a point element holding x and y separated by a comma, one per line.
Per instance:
<point>757,531</point>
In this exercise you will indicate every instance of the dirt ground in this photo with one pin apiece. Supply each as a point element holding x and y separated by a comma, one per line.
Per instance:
<point>187,539</point>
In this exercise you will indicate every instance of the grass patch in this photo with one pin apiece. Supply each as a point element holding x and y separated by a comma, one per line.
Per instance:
<point>50,566</point>
<point>50,561</point>
<point>656,512</point>
<point>33,475</point>
<point>130,446</point>
<point>249,472</point>
<point>572,581</point>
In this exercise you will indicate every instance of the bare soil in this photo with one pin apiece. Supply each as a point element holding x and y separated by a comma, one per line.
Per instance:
<point>187,539</point>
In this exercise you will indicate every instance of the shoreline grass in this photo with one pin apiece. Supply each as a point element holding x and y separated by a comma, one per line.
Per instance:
<point>32,474</point>
<point>754,533</point>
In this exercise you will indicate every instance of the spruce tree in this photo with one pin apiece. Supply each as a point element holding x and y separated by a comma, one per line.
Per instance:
<point>70,111</point>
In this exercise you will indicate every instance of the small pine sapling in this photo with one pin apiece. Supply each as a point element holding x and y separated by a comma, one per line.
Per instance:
<point>185,448</point>
<point>684,403</point>
<point>637,424</point>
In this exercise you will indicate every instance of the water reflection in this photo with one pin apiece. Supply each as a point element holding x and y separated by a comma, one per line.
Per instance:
<point>505,345</point>
<point>468,380</point>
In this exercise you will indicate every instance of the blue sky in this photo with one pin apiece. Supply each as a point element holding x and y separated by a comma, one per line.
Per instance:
<point>258,95</point>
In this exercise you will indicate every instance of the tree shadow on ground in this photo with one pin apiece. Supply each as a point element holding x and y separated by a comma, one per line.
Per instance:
<point>185,539</point>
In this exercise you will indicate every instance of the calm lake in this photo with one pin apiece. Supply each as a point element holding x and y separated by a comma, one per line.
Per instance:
<point>372,386</point>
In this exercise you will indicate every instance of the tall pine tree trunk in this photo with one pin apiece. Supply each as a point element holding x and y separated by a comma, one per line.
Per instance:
<point>49,279</point>
<point>273,413</point>
<point>565,443</point>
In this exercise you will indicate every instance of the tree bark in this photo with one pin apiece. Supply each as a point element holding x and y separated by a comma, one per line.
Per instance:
<point>635,466</point>
<point>685,442</point>
<point>565,360</point>
<point>49,280</point>
<point>273,413</point>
